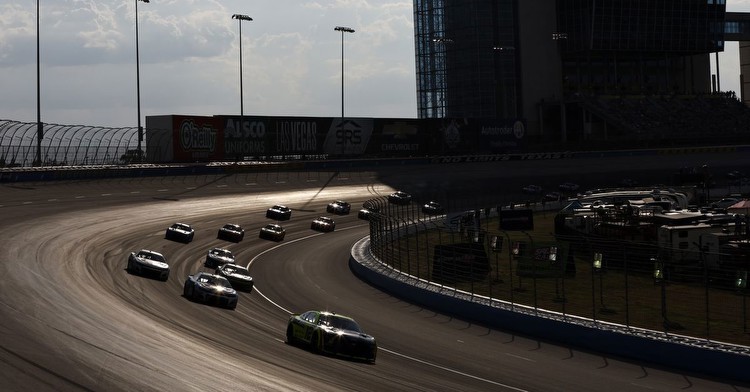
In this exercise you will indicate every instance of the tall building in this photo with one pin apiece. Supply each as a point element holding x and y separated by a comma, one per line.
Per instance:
<point>540,61</point>
<point>466,61</point>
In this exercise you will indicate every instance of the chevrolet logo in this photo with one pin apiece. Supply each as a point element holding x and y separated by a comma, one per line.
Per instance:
<point>399,130</point>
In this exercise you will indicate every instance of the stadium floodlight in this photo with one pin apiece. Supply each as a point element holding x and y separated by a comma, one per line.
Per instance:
<point>343,30</point>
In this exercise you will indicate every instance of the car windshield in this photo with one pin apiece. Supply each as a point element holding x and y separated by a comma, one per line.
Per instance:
<point>151,256</point>
<point>232,227</point>
<point>180,226</point>
<point>325,219</point>
<point>232,269</point>
<point>339,322</point>
<point>222,253</point>
<point>213,280</point>
<point>273,227</point>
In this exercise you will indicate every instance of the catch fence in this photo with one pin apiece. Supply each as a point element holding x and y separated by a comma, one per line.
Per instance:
<point>614,280</point>
<point>65,145</point>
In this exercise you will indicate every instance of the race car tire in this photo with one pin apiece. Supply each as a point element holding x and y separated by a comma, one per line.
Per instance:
<point>315,344</point>
<point>289,334</point>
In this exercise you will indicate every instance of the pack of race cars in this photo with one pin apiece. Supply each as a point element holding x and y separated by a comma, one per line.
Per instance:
<point>222,279</point>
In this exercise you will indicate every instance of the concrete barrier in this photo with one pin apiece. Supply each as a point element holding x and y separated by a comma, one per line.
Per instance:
<point>700,357</point>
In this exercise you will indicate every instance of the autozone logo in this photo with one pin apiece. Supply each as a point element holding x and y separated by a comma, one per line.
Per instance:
<point>196,138</point>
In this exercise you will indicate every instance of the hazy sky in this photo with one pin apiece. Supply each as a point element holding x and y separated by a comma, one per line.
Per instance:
<point>189,59</point>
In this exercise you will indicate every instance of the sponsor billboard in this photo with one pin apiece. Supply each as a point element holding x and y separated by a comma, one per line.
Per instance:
<point>203,138</point>
<point>196,139</point>
<point>479,136</point>
<point>244,137</point>
<point>281,136</point>
<point>399,137</point>
<point>348,136</point>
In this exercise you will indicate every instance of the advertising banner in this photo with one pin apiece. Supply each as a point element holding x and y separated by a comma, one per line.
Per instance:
<point>286,136</point>
<point>478,136</point>
<point>197,139</point>
<point>348,136</point>
<point>500,136</point>
<point>221,138</point>
<point>244,137</point>
<point>399,138</point>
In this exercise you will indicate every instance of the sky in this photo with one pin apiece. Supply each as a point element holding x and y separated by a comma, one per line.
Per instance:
<point>189,59</point>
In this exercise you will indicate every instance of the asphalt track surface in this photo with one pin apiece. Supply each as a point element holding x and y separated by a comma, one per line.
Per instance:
<point>72,318</point>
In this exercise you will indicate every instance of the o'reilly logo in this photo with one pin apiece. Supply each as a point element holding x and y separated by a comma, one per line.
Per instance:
<point>197,138</point>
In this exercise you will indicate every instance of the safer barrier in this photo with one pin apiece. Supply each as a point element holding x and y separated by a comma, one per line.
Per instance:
<point>721,360</point>
<point>567,288</point>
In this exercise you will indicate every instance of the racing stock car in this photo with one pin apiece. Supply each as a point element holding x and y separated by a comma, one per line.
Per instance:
<point>209,288</point>
<point>237,275</point>
<point>231,232</point>
<point>218,256</point>
<point>323,223</point>
<point>279,212</point>
<point>338,207</point>
<point>148,262</point>
<point>272,232</point>
<point>331,333</point>
<point>180,232</point>
<point>399,198</point>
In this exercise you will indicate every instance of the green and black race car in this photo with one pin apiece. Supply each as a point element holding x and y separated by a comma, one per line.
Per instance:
<point>331,333</point>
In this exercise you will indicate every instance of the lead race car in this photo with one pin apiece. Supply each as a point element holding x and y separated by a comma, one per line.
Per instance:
<point>331,333</point>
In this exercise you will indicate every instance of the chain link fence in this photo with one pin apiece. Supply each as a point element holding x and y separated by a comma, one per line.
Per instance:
<point>613,280</point>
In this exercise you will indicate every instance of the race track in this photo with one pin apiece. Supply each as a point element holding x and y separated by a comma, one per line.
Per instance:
<point>72,318</point>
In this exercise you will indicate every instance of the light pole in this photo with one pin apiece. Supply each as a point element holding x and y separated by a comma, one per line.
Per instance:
<point>39,126</point>
<point>343,30</point>
<point>240,18</point>
<point>138,81</point>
